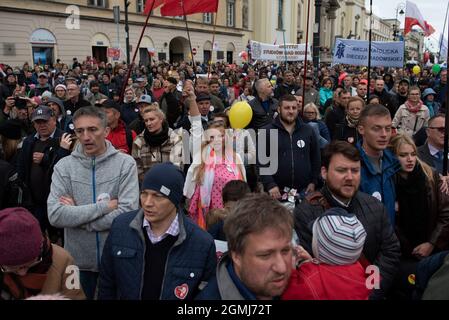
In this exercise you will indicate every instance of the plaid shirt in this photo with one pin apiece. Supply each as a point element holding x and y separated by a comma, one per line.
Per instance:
<point>173,230</point>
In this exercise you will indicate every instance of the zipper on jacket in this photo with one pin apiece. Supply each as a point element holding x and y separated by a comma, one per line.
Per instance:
<point>293,164</point>
<point>168,256</point>
<point>94,199</point>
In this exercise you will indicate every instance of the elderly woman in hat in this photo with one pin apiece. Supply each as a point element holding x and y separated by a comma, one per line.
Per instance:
<point>29,263</point>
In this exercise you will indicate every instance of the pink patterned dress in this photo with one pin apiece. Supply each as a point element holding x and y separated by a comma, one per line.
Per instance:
<point>223,174</point>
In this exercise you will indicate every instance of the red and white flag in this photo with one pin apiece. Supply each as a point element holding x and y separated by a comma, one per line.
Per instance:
<point>181,7</point>
<point>413,17</point>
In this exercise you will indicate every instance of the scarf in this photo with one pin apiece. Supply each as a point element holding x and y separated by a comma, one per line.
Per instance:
<point>413,209</point>
<point>208,181</point>
<point>412,108</point>
<point>156,139</point>
<point>31,284</point>
<point>351,122</point>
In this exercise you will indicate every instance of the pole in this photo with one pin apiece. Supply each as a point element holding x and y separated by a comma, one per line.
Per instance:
<point>442,35</point>
<point>369,46</point>
<point>130,66</point>
<point>212,52</point>
<point>127,33</point>
<point>305,58</point>
<point>188,35</point>
<point>446,125</point>
<point>316,38</point>
<point>283,35</point>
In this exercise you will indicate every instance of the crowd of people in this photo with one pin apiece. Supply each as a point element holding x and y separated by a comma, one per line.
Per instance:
<point>124,184</point>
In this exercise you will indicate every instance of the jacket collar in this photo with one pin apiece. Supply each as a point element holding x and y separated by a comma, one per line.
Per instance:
<point>390,164</point>
<point>277,123</point>
<point>137,221</point>
<point>226,286</point>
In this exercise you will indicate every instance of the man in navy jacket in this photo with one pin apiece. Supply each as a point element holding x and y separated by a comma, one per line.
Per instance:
<point>156,253</point>
<point>298,152</point>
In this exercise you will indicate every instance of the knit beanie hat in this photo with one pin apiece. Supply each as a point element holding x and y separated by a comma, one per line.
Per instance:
<point>338,237</point>
<point>20,237</point>
<point>167,179</point>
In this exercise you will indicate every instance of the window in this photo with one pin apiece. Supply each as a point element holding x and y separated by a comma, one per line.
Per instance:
<point>207,18</point>
<point>280,14</point>
<point>98,3</point>
<point>299,17</point>
<point>245,15</point>
<point>139,6</point>
<point>230,13</point>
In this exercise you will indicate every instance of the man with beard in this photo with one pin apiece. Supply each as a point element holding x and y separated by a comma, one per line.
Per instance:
<point>298,152</point>
<point>259,261</point>
<point>341,171</point>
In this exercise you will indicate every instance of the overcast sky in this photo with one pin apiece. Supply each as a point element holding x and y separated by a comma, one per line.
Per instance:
<point>432,10</point>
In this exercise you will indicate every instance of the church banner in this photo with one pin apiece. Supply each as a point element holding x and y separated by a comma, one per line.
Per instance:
<point>355,52</point>
<point>272,52</point>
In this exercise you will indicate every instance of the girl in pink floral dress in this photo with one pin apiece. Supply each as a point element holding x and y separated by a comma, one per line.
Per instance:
<point>205,181</point>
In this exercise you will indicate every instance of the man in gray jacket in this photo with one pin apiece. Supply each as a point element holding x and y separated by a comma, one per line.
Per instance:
<point>95,184</point>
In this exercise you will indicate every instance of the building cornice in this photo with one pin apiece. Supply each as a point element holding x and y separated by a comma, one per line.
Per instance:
<point>237,33</point>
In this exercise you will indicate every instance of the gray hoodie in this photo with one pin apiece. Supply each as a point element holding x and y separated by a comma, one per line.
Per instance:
<point>86,179</point>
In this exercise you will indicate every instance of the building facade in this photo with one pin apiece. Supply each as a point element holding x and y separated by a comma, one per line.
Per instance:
<point>48,29</point>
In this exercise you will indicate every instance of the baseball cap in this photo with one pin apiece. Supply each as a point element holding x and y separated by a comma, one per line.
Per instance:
<point>42,113</point>
<point>42,74</point>
<point>145,99</point>
<point>110,104</point>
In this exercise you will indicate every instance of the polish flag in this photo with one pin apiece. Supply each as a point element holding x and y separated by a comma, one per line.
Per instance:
<point>413,17</point>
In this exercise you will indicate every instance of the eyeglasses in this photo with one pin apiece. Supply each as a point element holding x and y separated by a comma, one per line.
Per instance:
<point>440,129</point>
<point>6,269</point>
<point>310,112</point>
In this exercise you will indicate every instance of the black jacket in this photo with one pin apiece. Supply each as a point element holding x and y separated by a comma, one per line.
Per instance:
<point>298,157</point>
<point>334,116</point>
<point>13,192</point>
<point>381,245</point>
<point>52,154</point>
<point>72,107</point>
<point>388,101</point>
<point>260,117</point>
<point>284,89</point>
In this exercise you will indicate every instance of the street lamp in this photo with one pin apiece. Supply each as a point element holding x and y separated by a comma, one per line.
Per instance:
<point>399,10</point>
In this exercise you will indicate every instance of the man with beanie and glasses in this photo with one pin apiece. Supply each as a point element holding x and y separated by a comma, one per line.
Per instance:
<point>335,272</point>
<point>156,252</point>
<point>29,263</point>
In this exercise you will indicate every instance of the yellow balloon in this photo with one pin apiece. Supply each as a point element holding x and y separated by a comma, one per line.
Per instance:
<point>416,70</point>
<point>240,115</point>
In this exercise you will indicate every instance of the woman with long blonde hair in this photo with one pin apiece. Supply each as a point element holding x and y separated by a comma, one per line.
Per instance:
<point>422,223</point>
<point>218,165</point>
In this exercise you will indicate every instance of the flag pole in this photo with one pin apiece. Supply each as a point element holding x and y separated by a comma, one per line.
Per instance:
<point>442,35</point>
<point>369,46</point>
<point>446,124</point>
<point>130,66</point>
<point>305,59</point>
<point>283,34</point>
<point>212,52</point>
<point>188,35</point>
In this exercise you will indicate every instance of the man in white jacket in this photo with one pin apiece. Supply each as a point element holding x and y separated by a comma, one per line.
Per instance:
<point>89,189</point>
